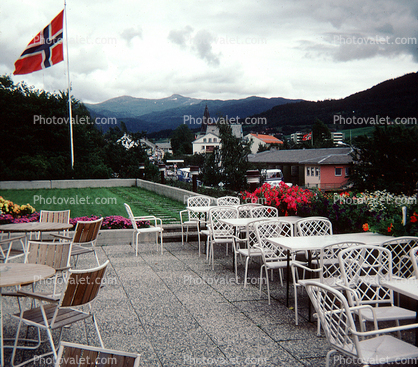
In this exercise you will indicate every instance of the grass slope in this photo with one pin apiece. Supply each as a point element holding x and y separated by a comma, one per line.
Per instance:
<point>103,201</point>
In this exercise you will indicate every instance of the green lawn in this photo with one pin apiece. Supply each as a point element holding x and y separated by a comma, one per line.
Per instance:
<point>103,201</point>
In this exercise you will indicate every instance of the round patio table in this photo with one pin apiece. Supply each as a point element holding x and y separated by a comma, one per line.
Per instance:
<point>34,227</point>
<point>13,274</point>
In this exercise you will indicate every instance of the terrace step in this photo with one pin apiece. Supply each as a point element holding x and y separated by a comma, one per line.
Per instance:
<point>172,233</point>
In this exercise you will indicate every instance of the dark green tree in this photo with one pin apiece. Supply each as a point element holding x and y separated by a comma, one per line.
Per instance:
<point>321,135</point>
<point>36,142</point>
<point>386,160</point>
<point>124,161</point>
<point>232,160</point>
<point>212,168</point>
<point>181,140</point>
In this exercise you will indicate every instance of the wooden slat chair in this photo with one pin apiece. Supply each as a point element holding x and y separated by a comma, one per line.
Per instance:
<point>12,248</point>
<point>54,216</point>
<point>53,254</point>
<point>82,288</point>
<point>77,355</point>
<point>85,238</point>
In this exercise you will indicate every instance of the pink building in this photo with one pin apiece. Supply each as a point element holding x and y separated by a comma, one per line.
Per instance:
<point>326,168</point>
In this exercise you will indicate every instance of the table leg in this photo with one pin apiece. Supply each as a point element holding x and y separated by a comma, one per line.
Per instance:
<point>416,321</point>
<point>287,278</point>
<point>1,330</point>
<point>308,277</point>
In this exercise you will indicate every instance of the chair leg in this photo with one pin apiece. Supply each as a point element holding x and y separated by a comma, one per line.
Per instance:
<point>261,277</point>
<point>198,237</point>
<point>246,271</point>
<point>136,244</point>
<point>268,284</point>
<point>182,236</point>
<point>296,294</point>
<point>236,267</point>
<point>97,331</point>
<point>161,241</point>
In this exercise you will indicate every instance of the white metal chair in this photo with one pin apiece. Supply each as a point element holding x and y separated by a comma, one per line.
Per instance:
<point>264,212</point>
<point>227,200</point>
<point>340,329</point>
<point>12,248</point>
<point>156,226</point>
<point>245,244</point>
<point>191,218</point>
<point>244,210</point>
<point>400,248</point>
<point>314,226</point>
<point>68,353</point>
<point>328,272</point>
<point>364,269</point>
<point>220,232</point>
<point>413,253</point>
<point>82,288</point>
<point>274,257</point>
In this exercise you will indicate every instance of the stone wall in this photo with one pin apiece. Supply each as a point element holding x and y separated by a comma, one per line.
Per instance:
<point>165,190</point>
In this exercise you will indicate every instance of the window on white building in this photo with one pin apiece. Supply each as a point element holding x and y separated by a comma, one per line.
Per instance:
<point>316,171</point>
<point>204,140</point>
<point>203,147</point>
<point>308,171</point>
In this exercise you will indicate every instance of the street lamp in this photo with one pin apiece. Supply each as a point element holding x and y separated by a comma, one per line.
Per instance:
<point>253,179</point>
<point>141,170</point>
<point>194,171</point>
<point>161,168</point>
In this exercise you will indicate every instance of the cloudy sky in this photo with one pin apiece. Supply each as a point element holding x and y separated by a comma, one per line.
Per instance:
<point>310,49</point>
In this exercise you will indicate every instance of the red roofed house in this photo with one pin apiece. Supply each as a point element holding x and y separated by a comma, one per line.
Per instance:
<point>261,139</point>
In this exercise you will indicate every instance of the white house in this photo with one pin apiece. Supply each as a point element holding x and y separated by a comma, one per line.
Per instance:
<point>206,143</point>
<point>208,137</point>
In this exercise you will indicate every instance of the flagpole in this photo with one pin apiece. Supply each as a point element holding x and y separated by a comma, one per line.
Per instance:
<point>69,88</point>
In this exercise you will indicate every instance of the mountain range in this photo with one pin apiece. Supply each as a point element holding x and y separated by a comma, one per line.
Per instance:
<point>394,98</point>
<point>151,115</point>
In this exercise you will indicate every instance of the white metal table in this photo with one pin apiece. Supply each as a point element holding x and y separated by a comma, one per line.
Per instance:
<point>407,287</point>
<point>311,243</point>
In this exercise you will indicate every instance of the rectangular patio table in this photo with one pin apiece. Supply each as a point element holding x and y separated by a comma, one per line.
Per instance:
<point>311,243</point>
<point>407,287</point>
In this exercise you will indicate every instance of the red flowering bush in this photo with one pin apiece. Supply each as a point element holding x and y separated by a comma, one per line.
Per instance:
<point>285,198</point>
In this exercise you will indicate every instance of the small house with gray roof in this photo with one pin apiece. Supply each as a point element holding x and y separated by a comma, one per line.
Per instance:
<point>325,168</point>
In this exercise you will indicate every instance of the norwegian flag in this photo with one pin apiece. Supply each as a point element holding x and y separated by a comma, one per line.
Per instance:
<point>45,50</point>
<point>307,137</point>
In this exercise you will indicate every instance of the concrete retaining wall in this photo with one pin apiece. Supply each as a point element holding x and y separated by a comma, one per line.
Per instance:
<point>66,184</point>
<point>165,190</point>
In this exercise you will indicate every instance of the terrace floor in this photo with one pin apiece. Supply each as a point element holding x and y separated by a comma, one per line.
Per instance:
<point>176,311</point>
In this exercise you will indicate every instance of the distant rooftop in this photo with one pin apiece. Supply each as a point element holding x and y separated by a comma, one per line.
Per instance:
<point>304,156</point>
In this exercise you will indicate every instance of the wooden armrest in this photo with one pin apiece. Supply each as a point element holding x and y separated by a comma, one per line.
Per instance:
<point>39,296</point>
<point>60,236</point>
<point>6,240</point>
